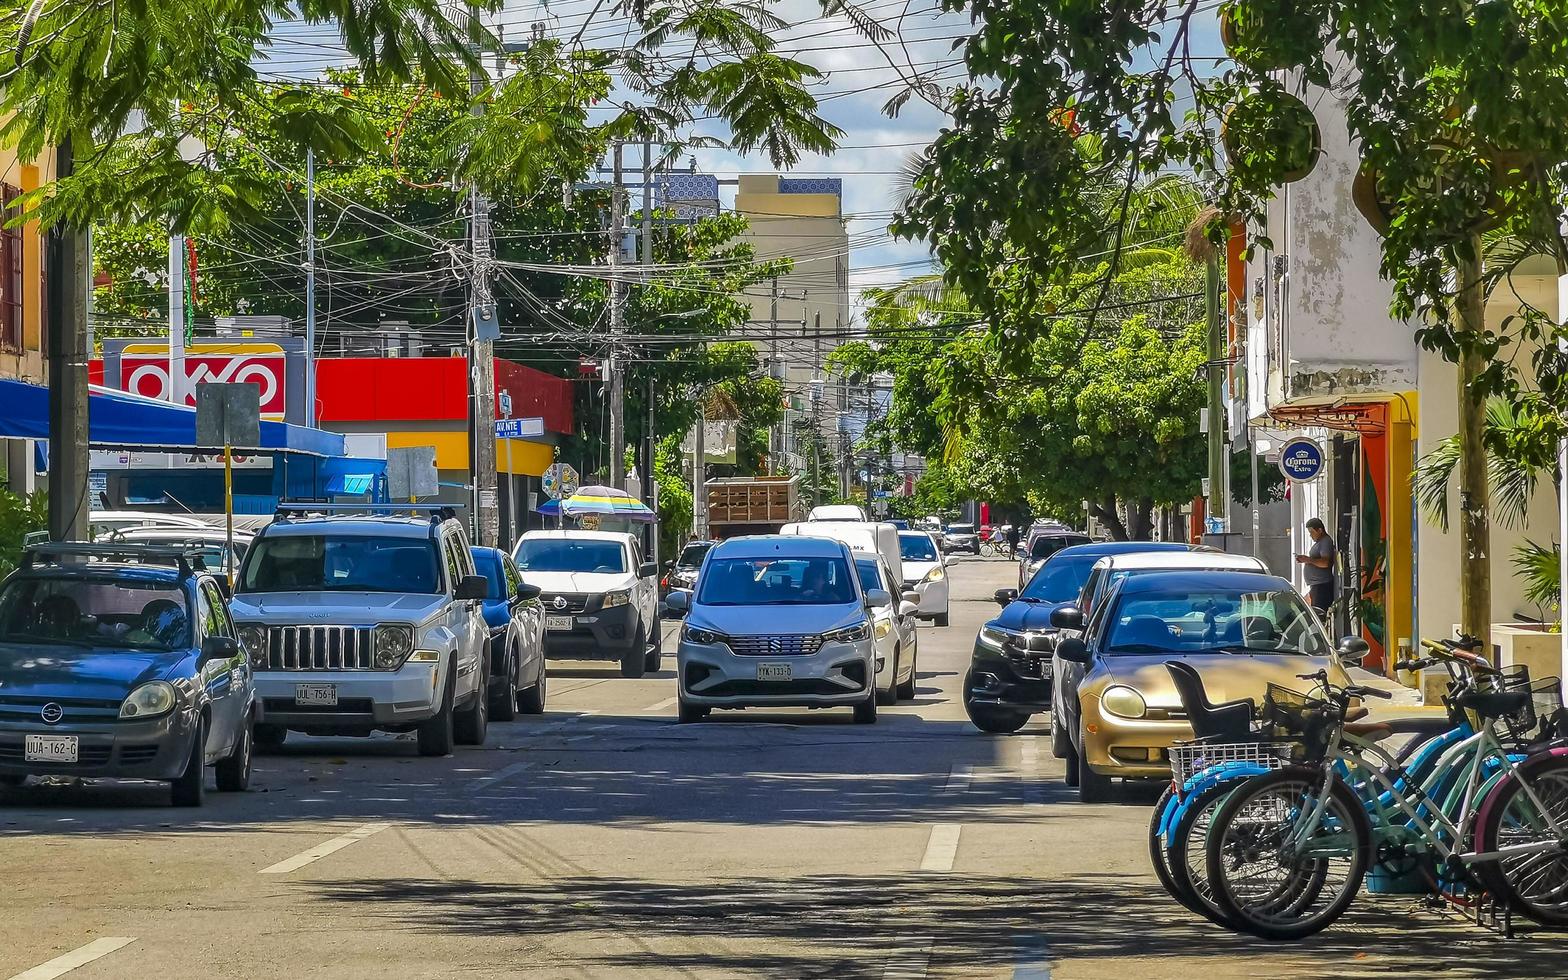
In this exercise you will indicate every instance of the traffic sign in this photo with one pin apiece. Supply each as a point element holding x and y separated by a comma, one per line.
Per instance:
<point>518,428</point>
<point>560,480</point>
<point>1301,460</point>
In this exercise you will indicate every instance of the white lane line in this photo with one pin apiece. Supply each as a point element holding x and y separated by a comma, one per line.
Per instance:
<point>81,956</point>
<point>662,705</point>
<point>504,774</point>
<point>324,848</point>
<point>941,847</point>
<point>1031,752</point>
<point>911,963</point>
<point>1034,963</point>
<point>958,778</point>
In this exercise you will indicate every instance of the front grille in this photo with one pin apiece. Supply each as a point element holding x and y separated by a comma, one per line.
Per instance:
<point>86,755</point>
<point>775,646</point>
<point>345,706</point>
<point>318,648</point>
<point>1029,666</point>
<point>570,602</point>
<point>743,687</point>
<point>134,755</point>
<point>27,709</point>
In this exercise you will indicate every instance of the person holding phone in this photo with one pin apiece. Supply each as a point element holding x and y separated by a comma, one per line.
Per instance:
<point>1319,570</point>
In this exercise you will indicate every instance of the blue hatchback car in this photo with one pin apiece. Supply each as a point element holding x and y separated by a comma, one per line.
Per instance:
<point>1009,675</point>
<point>121,662</point>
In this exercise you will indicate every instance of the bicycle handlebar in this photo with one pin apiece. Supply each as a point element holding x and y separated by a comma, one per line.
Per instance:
<point>1357,690</point>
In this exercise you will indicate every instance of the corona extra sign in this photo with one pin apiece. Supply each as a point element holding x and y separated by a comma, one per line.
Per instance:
<point>144,370</point>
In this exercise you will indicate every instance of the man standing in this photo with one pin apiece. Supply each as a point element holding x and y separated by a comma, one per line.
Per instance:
<point>1012,540</point>
<point>1319,570</point>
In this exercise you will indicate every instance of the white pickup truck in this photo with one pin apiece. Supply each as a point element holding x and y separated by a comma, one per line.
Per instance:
<point>362,623</point>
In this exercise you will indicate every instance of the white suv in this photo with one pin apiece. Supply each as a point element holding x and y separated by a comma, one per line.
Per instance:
<point>363,623</point>
<point>601,600</point>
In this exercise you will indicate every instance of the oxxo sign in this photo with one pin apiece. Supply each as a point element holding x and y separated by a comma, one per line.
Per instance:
<point>144,370</point>
<point>1301,460</point>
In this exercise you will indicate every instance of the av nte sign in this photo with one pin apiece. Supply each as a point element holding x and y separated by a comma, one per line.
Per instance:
<point>1301,460</point>
<point>144,370</point>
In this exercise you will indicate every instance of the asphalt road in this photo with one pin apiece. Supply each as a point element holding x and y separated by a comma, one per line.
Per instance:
<point>601,839</point>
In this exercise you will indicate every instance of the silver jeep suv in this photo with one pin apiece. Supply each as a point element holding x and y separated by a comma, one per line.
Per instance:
<point>357,622</point>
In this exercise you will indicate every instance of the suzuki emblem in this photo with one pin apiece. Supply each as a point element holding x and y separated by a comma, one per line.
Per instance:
<point>776,645</point>
<point>52,713</point>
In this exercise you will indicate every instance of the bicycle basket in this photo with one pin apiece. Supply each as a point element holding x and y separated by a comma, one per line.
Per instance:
<point>1302,717</point>
<point>1190,758</point>
<point>1546,698</point>
<point>1521,722</point>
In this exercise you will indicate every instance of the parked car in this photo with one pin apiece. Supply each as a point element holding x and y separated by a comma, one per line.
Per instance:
<point>1240,630</point>
<point>600,598</point>
<point>210,543</point>
<point>925,574</point>
<point>1043,541</point>
<point>778,620</point>
<point>1200,558</point>
<point>871,536</point>
<point>1010,671</point>
<point>121,661</point>
<point>515,618</point>
<point>360,623</point>
<point>893,630</point>
<point>682,573</point>
<point>102,522</point>
<point>961,537</point>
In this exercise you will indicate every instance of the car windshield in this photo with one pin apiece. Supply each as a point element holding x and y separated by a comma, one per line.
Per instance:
<point>341,563</point>
<point>1047,545</point>
<point>916,547</point>
<point>1060,579</point>
<point>95,612</point>
<point>870,578</point>
<point>488,564</point>
<point>570,555</point>
<point>776,582</point>
<point>960,529</point>
<point>692,555</point>
<point>1209,620</point>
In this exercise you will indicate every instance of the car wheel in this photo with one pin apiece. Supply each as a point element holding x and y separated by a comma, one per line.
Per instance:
<point>531,701</point>
<point>635,659</point>
<point>906,690</point>
<point>1071,761</point>
<point>689,713</point>
<point>234,772</point>
<point>989,718</point>
<point>503,702</point>
<point>866,711</point>
<point>190,787</point>
<point>435,733</point>
<point>1061,745</point>
<point>472,724</point>
<point>942,619</point>
<point>270,736</point>
<point>890,696</point>
<point>655,661</point>
<point>1092,787</point>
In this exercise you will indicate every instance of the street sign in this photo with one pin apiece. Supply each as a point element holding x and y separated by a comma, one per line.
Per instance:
<point>504,397</point>
<point>1301,460</point>
<point>411,472</point>
<point>228,415</point>
<point>519,428</point>
<point>560,480</point>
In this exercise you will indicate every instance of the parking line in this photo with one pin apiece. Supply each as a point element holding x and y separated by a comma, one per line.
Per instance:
<point>910,963</point>
<point>1031,752</point>
<point>504,774</point>
<point>661,705</point>
<point>958,778</point>
<point>81,956</point>
<point>324,848</point>
<point>941,847</point>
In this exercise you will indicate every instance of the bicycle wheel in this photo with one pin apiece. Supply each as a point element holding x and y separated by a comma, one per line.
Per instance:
<point>1185,845</point>
<point>1157,849</point>
<point>1536,884</point>
<point>1271,888</point>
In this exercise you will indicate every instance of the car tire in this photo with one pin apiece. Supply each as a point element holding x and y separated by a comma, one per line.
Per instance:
<point>655,661</point>
<point>1071,763</point>
<point>689,713</point>
<point>531,700</point>
<point>907,689</point>
<point>943,619</point>
<point>503,702</point>
<point>435,733</point>
<point>270,737</point>
<point>1061,745</point>
<point>189,789</point>
<point>472,724</point>
<point>989,719</point>
<point>890,696</point>
<point>233,772</point>
<point>1092,787</point>
<point>866,711</point>
<point>634,661</point>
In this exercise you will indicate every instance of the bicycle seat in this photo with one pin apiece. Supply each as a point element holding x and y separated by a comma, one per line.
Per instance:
<point>1372,731</point>
<point>1230,721</point>
<point>1493,704</point>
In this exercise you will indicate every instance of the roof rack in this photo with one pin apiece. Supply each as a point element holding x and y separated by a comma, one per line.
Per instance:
<point>186,560</point>
<point>437,512</point>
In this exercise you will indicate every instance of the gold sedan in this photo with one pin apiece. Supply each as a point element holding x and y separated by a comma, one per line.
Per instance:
<point>1117,710</point>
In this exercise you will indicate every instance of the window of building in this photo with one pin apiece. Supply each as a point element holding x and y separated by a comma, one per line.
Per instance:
<point>10,276</point>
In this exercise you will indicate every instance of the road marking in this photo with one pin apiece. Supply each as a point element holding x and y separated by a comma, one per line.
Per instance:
<point>958,778</point>
<point>1031,752</point>
<point>911,963</point>
<point>942,847</point>
<point>662,705</point>
<point>81,956</point>
<point>504,774</point>
<point>1034,963</point>
<point>324,848</point>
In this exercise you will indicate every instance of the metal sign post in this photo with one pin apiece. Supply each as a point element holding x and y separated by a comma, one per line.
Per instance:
<point>228,415</point>
<point>411,472</point>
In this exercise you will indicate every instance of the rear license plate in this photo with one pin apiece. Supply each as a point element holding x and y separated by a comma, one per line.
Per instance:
<point>558,623</point>
<point>49,748</point>
<point>773,672</point>
<point>325,695</point>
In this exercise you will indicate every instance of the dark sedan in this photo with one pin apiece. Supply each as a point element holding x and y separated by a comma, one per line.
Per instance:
<point>121,661</point>
<point>515,619</point>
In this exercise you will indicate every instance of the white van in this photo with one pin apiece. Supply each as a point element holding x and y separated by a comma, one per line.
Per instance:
<point>869,536</point>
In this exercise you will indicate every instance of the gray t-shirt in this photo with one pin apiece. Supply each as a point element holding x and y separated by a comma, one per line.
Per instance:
<point>1321,548</point>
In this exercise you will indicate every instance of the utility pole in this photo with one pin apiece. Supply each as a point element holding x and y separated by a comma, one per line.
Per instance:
<point>310,287</point>
<point>67,329</point>
<point>1475,537</point>
<point>481,353</point>
<point>614,364</point>
<point>699,471</point>
<point>1216,322</point>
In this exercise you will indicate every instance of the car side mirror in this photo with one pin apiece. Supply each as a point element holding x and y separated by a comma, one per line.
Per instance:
<point>1073,650</point>
<point>1067,618</point>
<point>215,648</point>
<point>908,608</point>
<point>525,593</point>
<point>878,598</point>
<point>678,601</point>
<point>1352,649</point>
<point>647,570</point>
<point>472,587</point>
<point>1005,597</point>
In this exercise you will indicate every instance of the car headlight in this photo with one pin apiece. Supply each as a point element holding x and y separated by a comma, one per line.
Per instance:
<point>935,575</point>
<point>619,598</point>
<point>392,645</point>
<point>1123,702</point>
<point>696,634</point>
<point>253,639</point>
<point>884,627</point>
<point>150,700</point>
<point>993,638</point>
<point>849,634</point>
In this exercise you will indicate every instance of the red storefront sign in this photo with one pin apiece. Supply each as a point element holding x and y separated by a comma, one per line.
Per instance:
<point>144,370</point>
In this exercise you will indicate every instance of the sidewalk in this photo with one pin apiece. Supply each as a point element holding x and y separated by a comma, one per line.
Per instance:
<point>1405,703</point>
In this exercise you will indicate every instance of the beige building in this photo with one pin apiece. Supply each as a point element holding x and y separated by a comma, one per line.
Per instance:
<point>22,348</point>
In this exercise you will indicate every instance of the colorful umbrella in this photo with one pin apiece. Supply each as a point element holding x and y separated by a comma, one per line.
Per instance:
<point>603,501</point>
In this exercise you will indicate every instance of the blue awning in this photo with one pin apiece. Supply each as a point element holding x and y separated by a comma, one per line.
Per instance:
<point>118,420</point>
